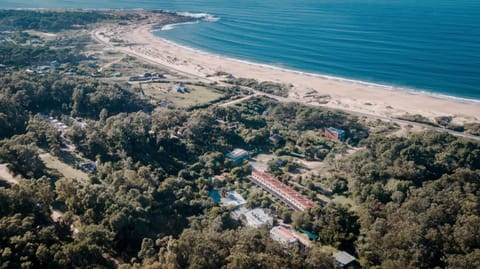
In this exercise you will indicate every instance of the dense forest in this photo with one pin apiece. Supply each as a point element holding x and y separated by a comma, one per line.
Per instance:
<point>47,20</point>
<point>416,199</point>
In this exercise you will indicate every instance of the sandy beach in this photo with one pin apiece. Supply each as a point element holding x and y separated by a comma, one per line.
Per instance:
<point>138,40</point>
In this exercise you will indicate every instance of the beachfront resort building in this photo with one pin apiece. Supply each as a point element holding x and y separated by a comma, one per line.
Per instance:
<point>283,235</point>
<point>335,133</point>
<point>286,194</point>
<point>238,155</point>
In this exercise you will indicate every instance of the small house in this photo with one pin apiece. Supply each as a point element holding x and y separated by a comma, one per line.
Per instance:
<point>276,139</point>
<point>89,167</point>
<point>238,155</point>
<point>335,133</point>
<point>181,88</point>
<point>44,68</point>
<point>343,259</point>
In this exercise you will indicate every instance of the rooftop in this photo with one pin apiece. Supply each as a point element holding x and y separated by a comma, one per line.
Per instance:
<point>283,233</point>
<point>343,258</point>
<point>336,130</point>
<point>237,153</point>
<point>276,138</point>
<point>282,190</point>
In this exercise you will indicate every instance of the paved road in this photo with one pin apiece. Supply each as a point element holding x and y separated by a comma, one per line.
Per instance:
<point>383,118</point>
<point>95,36</point>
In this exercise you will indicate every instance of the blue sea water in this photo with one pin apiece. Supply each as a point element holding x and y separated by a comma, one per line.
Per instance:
<point>430,45</point>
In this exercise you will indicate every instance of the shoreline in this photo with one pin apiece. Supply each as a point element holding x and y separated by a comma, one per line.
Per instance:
<point>195,18</point>
<point>412,91</point>
<point>139,39</point>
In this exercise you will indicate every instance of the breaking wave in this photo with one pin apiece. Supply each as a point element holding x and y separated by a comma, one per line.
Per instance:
<point>199,16</point>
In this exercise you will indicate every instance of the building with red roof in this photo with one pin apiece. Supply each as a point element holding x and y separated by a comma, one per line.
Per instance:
<point>283,235</point>
<point>288,195</point>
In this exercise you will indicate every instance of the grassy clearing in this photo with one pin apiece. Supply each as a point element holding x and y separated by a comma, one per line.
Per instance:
<point>328,249</point>
<point>342,200</point>
<point>197,95</point>
<point>110,62</point>
<point>45,35</point>
<point>66,170</point>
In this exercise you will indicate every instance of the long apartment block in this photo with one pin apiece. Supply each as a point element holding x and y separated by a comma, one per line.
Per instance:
<point>288,195</point>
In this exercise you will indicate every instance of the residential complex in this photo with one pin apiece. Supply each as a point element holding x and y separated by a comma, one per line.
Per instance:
<point>289,196</point>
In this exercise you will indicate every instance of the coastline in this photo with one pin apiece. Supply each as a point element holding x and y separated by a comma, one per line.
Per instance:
<point>345,94</point>
<point>411,91</point>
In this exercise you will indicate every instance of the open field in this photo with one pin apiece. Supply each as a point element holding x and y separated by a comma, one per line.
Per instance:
<point>65,169</point>
<point>44,35</point>
<point>166,91</point>
<point>6,176</point>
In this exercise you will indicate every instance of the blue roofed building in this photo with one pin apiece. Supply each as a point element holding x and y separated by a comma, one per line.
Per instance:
<point>238,155</point>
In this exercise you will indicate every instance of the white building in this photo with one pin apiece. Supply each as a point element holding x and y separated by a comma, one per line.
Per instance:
<point>343,258</point>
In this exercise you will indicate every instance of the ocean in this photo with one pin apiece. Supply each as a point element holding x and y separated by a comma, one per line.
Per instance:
<point>429,45</point>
